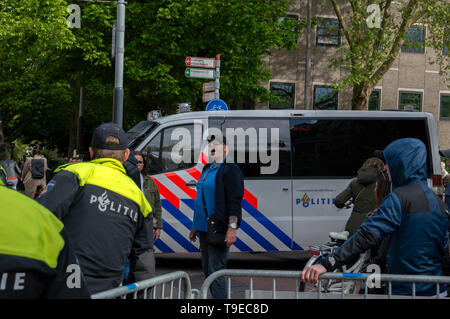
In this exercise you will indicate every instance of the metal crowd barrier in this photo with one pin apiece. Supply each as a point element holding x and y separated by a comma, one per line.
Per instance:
<point>319,294</point>
<point>140,289</point>
<point>274,274</point>
<point>386,278</point>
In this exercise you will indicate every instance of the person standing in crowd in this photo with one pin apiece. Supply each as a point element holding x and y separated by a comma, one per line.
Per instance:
<point>33,173</point>
<point>362,192</point>
<point>104,211</point>
<point>414,217</point>
<point>220,190</point>
<point>151,192</point>
<point>12,170</point>
<point>38,268</point>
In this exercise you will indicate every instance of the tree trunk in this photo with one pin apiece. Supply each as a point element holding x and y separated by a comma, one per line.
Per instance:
<point>361,95</point>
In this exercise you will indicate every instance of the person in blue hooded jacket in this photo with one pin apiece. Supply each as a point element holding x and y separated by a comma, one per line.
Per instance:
<point>412,214</point>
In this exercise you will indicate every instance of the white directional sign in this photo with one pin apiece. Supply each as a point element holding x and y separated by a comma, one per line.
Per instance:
<point>200,73</point>
<point>209,86</point>
<point>208,97</point>
<point>201,62</point>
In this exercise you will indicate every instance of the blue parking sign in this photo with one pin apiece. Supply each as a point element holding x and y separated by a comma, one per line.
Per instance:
<point>217,105</point>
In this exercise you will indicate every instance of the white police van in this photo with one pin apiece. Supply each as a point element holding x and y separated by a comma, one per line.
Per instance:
<point>295,162</point>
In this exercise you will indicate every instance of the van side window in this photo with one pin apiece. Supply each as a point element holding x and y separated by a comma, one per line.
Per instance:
<point>337,148</point>
<point>173,149</point>
<point>260,146</point>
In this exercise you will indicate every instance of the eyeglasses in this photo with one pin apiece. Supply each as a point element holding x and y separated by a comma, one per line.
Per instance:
<point>140,162</point>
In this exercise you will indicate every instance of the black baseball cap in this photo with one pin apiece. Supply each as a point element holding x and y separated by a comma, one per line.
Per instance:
<point>221,139</point>
<point>109,129</point>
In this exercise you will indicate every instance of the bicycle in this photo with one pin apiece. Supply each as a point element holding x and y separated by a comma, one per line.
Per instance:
<point>334,286</point>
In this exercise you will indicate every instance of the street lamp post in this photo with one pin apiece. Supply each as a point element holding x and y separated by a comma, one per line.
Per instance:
<point>119,57</point>
<point>308,57</point>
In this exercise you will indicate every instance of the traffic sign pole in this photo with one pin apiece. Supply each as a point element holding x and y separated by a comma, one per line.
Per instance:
<point>205,68</point>
<point>216,91</point>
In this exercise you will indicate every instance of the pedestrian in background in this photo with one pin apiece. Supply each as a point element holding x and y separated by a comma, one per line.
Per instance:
<point>362,192</point>
<point>220,190</point>
<point>33,173</point>
<point>154,222</point>
<point>36,259</point>
<point>12,170</point>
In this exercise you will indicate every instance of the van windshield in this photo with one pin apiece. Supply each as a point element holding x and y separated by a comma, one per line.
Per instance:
<point>139,132</point>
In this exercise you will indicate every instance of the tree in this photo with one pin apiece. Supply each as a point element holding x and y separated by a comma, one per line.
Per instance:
<point>161,34</point>
<point>31,34</point>
<point>370,52</point>
<point>44,63</point>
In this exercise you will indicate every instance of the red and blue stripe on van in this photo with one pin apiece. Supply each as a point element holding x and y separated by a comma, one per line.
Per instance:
<point>171,202</point>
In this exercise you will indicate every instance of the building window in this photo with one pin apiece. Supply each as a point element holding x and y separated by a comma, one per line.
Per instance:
<point>289,23</point>
<point>375,100</point>
<point>282,95</point>
<point>325,98</point>
<point>445,106</point>
<point>328,32</point>
<point>410,101</point>
<point>414,41</point>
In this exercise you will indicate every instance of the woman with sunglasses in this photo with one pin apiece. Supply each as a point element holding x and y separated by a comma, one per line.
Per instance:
<point>220,190</point>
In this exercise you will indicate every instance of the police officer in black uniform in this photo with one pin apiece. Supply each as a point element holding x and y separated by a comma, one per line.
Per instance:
<point>104,211</point>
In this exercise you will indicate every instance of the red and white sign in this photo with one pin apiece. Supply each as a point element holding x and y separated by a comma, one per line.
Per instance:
<point>201,62</point>
<point>208,97</point>
<point>209,86</point>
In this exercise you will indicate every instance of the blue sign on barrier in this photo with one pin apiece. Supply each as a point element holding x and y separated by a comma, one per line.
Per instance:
<point>217,105</point>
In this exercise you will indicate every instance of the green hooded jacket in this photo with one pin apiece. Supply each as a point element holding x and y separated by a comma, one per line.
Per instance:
<point>362,192</point>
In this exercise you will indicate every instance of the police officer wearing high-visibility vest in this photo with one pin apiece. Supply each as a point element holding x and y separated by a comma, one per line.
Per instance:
<point>36,260</point>
<point>104,211</point>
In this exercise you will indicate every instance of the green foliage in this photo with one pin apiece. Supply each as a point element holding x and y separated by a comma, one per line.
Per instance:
<point>369,52</point>
<point>44,63</point>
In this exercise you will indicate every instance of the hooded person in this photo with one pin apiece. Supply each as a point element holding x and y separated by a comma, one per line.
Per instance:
<point>414,217</point>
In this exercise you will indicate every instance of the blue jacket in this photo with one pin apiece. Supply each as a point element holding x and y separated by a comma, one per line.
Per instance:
<point>229,194</point>
<point>412,214</point>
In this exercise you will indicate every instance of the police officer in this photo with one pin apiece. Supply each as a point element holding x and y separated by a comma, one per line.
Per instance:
<point>104,211</point>
<point>36,260</point>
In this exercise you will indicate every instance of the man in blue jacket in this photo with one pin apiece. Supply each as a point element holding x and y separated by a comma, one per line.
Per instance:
<point>412,214</point>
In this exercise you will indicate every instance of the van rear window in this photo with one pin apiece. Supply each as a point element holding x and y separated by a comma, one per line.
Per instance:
<point>324,148</point>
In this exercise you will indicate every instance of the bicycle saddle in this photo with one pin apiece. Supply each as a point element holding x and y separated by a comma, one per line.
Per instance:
<point>339,236</point>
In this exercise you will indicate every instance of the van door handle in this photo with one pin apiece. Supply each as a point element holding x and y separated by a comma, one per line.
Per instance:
<point>285,188</point>
<point>191,183</point>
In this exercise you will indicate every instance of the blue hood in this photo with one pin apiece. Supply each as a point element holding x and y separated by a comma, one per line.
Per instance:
<point>407,161</point>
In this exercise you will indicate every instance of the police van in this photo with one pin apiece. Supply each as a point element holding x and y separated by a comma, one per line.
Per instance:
<point>295,162</point>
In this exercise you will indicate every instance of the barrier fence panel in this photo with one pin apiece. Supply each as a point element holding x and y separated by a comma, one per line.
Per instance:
<point>341,278</point>
<point>368,278</point>
<point>177,282</point>
<point>274,274</point>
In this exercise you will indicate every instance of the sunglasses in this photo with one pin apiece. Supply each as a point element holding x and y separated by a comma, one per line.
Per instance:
<point>140,162</point>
